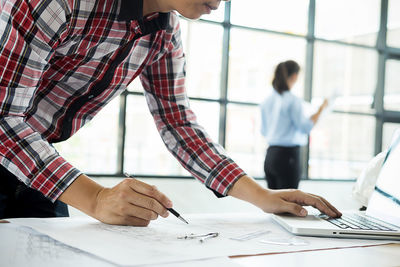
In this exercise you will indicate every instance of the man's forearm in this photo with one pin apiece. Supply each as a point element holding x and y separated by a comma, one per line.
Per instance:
<point>82,194</point>
<point>248,190</point>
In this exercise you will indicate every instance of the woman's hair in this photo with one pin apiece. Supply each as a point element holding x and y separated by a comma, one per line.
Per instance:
<point>282,73</point>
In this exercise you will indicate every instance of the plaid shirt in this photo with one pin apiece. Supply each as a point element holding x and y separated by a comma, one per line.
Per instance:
<point>62,61</point>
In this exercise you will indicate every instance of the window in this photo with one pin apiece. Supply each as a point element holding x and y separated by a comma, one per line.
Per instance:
<point>243,140</point>
<point>93,149</point>
<point>250,80</point>
<point>202,78</point>
<point>355,21</point>
<point>393,26</point>
<point>288,16</point>
<point>388,131</point>
<point>346,75</point>
<point>392,85</point>
<point>340,146</point>
<point>145,153</point>
<point>231,55</point>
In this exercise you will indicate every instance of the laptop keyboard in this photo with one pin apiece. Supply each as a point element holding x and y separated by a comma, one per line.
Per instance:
<point>355,221</point>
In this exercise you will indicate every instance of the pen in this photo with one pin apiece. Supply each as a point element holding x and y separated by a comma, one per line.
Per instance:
<point>177,215</point>
<point>174,212</point>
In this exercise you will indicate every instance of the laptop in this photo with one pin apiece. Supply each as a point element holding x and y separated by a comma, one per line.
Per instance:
<point>381,220</point>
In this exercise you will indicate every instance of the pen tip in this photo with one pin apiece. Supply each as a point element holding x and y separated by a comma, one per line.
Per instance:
<point>183,220</point>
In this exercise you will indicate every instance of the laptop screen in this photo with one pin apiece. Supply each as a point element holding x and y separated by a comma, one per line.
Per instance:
<point>384,203</point>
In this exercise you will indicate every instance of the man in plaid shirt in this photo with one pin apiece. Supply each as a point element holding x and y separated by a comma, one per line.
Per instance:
<point>64,60</point>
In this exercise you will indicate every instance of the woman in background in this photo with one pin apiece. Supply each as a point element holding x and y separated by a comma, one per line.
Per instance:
<point>285,127</point>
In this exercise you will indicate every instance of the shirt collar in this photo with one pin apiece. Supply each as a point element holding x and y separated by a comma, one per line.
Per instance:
<point>131,10</point>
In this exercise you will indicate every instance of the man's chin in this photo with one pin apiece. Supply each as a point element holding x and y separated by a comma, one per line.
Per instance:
<point>191,16</point>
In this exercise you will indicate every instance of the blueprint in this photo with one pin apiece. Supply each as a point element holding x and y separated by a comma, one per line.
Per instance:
<point>21,246</point>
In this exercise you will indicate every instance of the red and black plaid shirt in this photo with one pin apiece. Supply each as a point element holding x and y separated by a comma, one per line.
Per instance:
<point>62,61</point>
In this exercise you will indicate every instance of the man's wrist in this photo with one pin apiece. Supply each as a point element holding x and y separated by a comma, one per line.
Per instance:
<point>247,189</point>
<point>82,194</point>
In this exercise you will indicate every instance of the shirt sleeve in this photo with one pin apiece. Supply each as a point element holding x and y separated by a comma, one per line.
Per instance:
<point>298,118</point>
<point>30,31</point>
<point>164,84</point>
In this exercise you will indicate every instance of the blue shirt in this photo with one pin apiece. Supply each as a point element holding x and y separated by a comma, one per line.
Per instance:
<point>283,120</point>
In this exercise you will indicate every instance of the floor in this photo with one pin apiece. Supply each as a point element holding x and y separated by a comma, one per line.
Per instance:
<point>189,196</point>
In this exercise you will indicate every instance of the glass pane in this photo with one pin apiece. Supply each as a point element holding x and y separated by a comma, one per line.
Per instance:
<point>207,114</point>
<point>244,142</point>
<point>345,74</point>
<point>355,21</point>
<point>388,132</point>
<point>392,85</point>
<point>290,16</point>
<point>93,149</point>
<point>251,69</point>
<point>145,153</point>
<point>202,43</point>
<point>216,15</point>
<point>340,146</point>
<point>136,85</point>
<point>393,26</point>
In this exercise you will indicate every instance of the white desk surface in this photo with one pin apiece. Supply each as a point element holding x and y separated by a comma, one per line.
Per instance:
<point>378,255</point>
<point>373,256</point>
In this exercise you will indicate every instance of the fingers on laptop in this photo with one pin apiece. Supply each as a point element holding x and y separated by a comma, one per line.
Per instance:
<point>315,201</point>
<point>321,204</point>
<point>338,213</point>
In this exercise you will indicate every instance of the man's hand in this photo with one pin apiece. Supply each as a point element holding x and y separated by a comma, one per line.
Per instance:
<point>131,202</point>
<point>292,200</point>
<point>280,201</point>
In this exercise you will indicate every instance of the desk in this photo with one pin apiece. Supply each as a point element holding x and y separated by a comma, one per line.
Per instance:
<point>25,246</point>
<point>379,255</point>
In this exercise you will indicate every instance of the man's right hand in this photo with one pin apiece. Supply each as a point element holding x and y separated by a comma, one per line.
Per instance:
<point>131,202</point>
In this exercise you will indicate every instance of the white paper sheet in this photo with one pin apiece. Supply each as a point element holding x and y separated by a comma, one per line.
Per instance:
<point>21,246</point>
<point>159,243</point>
